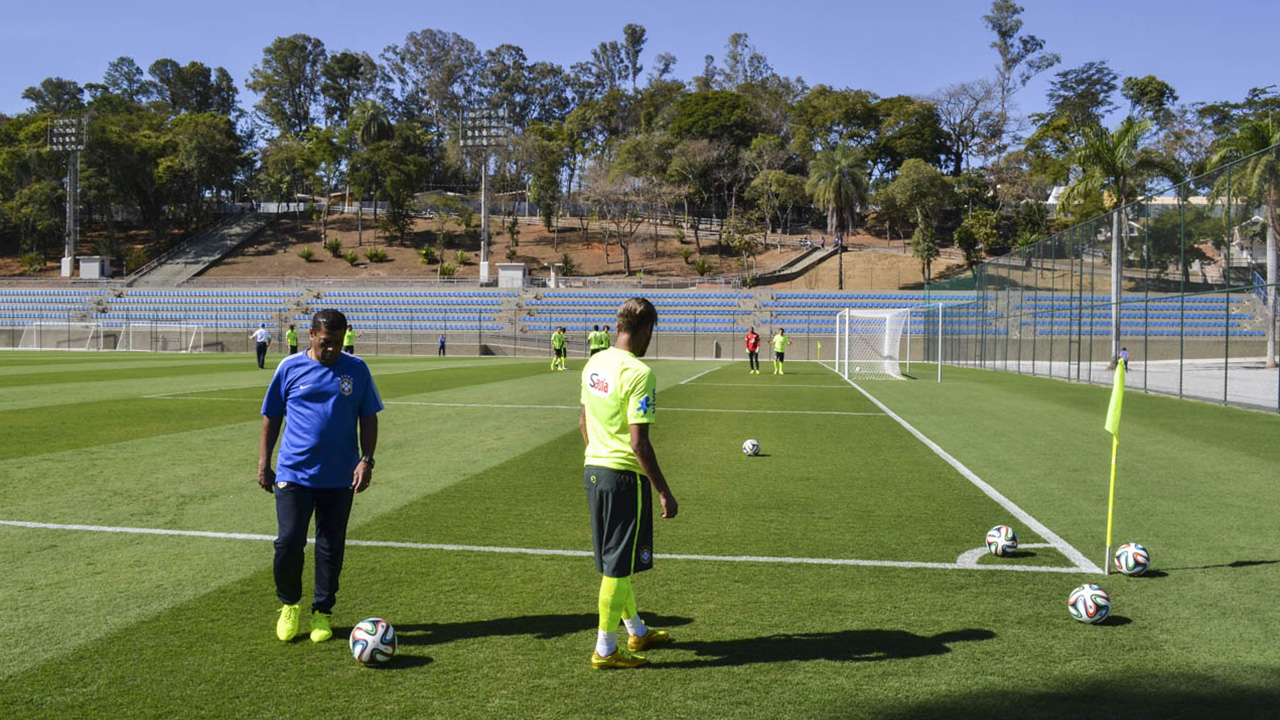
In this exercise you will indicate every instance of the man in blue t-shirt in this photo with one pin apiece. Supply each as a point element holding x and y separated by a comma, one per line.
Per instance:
<point>326,455</point>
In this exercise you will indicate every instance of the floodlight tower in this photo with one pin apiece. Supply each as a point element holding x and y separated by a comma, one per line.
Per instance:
<point>68,135</point>
<point>484,129</point>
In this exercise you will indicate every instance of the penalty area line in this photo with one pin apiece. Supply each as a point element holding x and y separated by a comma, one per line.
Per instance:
<point>765,559</point>
<point>1083,564</point>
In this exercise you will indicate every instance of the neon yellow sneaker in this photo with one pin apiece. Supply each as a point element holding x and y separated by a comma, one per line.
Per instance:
<point>619,659</point>
<point>653,638</point>
<point>287,625</point>
<point>320,630</point>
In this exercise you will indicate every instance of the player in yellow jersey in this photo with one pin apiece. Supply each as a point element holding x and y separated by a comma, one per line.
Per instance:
<point>780,343</point>
<point>618,395</point>
<point>557,349</point>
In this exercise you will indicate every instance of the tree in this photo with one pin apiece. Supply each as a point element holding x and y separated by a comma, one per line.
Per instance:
<point>1257,176</point>
<point>1150,97</point>
<point>716,115</point>
<point>55,96</point>
<point>547,146</point>
<point>433,73</point>
<point>1083,95</point>
<point>372,127</point>
<point>633,39</point>
<point>124,78</point>
<point>924,246</point>
<point>617,200</point>
<point>920,192</point>
<point>289,81</point>
<point>1116,165</point>
<point>1020,60</point>
<point>776,192</point>
<point>347,79</point>
<point>204,158</point>
<point>968,114</point>
<point>977,234</point>
<point>825,118</point>
<point>838,185</point>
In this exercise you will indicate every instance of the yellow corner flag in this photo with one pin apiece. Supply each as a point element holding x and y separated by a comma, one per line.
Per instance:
<point>1117,399</point>
<point>1113,426</point>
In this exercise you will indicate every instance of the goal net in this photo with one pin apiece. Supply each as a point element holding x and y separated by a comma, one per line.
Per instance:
<point>61,336</point>
<point>160,337</point>
<point>868,341</point>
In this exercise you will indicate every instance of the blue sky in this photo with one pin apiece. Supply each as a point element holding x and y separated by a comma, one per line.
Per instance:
<point>1207,51</point>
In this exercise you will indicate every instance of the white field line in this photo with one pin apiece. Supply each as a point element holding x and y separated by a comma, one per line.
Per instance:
<point>768,559</point>
<point>178,394</point>
<point>764,385</point>
<point>686,381</point>
<point>970,558</point>
<point>1083,563</point>
<point>663,409</point>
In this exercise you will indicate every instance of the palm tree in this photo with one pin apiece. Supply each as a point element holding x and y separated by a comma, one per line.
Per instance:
<point>1256,145</point>
<point>1116,164</point>
<point>838,185</point>
<point>372,126</point>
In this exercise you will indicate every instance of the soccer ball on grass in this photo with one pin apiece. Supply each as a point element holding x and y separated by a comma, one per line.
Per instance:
<point>1001,540</point>
<point>1132,559</point>
<point>751,447</point>
<point>1089,604</point>
<point>373,641</point>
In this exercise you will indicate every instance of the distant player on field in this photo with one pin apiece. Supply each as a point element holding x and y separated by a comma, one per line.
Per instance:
<point>291,339</point>
<point>557,349</point>
<point>753,351</point>
<point>349,340</point>
<point>618,394</point>
<point>605,342</point>
<point>261,340</point>
<point>328,406</point>
<point>593,339</point>
<point>780,343</point>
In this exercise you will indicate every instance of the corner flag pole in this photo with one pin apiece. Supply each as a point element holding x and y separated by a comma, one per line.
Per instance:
<point>1113,426</point>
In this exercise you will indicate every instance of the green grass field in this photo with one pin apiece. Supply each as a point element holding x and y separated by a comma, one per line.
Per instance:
<point>824,579</point>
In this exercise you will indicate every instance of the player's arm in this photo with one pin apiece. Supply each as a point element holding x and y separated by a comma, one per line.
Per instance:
<point>648,460</point>
<point>582,424</point>
<point>368,444</point>
<point>270,433</point>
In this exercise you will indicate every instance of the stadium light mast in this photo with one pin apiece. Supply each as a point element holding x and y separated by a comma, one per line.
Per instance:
<point>484,129</point>
<point>67,135</point>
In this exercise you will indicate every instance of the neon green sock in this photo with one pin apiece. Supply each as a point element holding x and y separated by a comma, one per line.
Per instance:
<point>613,597</point>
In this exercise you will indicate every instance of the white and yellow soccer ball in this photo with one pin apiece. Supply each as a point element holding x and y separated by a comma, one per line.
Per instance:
<point>751,447</point>
<point>373,641</point>
<point>1132,559</point>
<point>1001,540</point>
<point>1089,604</point>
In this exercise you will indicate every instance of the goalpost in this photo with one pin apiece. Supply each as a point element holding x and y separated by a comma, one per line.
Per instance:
<point>61,336</point>
<point>868,342</point>
<point>161,337</point>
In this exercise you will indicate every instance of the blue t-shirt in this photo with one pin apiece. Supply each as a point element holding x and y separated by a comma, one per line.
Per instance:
<point>320,445</point>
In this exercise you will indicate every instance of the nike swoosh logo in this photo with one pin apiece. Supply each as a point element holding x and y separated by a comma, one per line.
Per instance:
<point>304,387</point>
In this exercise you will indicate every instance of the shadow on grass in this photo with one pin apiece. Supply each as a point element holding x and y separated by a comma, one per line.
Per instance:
<point>402,662</point>
<point>845,646</point>
<point>1236,564</point>
<point>1125,695</point>
<point>540,627</point>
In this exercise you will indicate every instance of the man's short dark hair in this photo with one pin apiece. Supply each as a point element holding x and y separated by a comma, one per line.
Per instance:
<point>595,327</point>
<point>636,313</point>
<point>329,319</point>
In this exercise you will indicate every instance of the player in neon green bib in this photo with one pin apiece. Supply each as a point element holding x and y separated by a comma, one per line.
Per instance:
<point>780,343</point>
<point>618,396</point>
<point>291,338</point>
<point>558,349</point>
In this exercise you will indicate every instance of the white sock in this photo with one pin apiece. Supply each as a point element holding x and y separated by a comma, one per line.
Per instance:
<point>606,643</point>
<point>635,626</point>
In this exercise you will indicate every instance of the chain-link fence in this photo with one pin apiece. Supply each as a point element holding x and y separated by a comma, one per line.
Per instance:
<point>1183,282</point>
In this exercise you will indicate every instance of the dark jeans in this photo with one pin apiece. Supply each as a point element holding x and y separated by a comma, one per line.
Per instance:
<point>294,506</point>
<point>754,357</point>
<point>441,352</point>
<point>293,349</point>
<point>262,355</point>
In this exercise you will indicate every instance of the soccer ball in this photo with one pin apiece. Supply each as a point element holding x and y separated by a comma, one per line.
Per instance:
<point>751,447</point>
<point>1089,604</point>
<point>1132,559</point>
<point>1001,540</point>
<point>373,641</point>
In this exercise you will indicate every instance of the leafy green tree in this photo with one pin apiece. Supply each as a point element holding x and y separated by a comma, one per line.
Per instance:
<point>716,115</point>
<point>826,118</point>
<point>1116,165</point>
<point>432,75</point>
<point>1021,59</point>
<point>838,185</point>
<point>55,96</point>
<point>288,80</point>
<point>777,192</point>
<point>977,234</point>
<point>347,79</point>
<point>919,191</point>
<point>1255,147</point>
<point>1150,97</point>
<point>633,40</point>
<point>924,246</point>
<point>968,115</point>
<point>124,78</point>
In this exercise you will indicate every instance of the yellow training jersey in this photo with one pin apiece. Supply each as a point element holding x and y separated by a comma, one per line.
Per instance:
<point>618,391</point>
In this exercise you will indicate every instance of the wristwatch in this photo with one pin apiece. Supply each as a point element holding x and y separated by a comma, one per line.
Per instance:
<point>367,460</point>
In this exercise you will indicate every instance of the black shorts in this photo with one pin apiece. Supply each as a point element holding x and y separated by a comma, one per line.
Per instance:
<point>780,357</point>
<point>621,505</point>
<point>558,351</point>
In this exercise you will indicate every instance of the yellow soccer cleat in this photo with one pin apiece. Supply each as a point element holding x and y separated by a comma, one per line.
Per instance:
<point>320,630</point>
<point>653,638</point>
<point>287,625</point>
<point>619,659</point>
